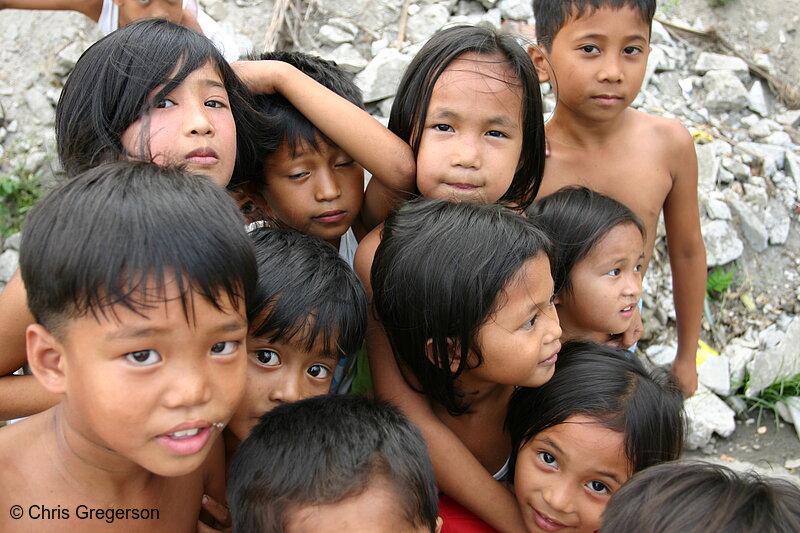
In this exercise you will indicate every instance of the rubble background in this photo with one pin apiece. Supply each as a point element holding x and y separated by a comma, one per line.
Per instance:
<point>731,74</point>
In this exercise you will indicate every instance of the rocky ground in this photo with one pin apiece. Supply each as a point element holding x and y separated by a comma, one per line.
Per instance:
<point>730,73</point>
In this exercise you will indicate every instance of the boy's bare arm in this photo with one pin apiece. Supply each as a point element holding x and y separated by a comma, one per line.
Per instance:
<point>19,395</point>
<point>90,8</point>
<point>355,131</point>
<point>458,472</point>
<point>687,256</point>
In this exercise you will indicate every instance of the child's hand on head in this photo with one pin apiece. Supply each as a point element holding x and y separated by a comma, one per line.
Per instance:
<point>259,76</point>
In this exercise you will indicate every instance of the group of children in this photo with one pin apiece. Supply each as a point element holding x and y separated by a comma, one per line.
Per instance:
<point>485,290</point>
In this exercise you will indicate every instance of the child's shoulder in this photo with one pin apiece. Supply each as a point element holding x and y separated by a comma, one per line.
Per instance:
<point>365,253</point>
<point>23,454</point>
<point>667,134</point>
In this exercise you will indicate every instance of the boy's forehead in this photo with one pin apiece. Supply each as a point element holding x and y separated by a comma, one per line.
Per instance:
<point>578,13</point>
<point>376,509</point>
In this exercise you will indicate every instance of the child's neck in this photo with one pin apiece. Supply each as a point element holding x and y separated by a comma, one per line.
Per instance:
<point>91,468</point>
<point>576,131</point>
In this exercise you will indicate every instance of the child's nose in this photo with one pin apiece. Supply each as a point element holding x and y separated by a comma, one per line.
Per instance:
<point>466,153</point>
<point>633,285</point>
<point>197,121</point>
<point>611,69</point>
<point>326,187</point>
<point>559,497</point>
<point>285,390</point>
<point>189,387</point>
<point>555,324</point>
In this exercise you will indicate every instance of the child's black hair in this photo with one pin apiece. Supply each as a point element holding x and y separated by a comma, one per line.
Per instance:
<point>119,233</point>
<point>698,497</point>
<point>437,276</point>
<point>291,126</point>
<point>325,449</point>
<point>111,85</point>
<point>407,118</point>
<point>576,219</point>
<point>304,290</point>
<point>608,385</point>
<point>551,15</point>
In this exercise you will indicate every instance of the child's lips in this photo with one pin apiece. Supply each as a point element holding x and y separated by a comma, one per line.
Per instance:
<point>186,439</point>
<point>330,217</point>
<point>546,523</point>
<point>553,358</point>
<point>607,99</point>
<point>202,156</point>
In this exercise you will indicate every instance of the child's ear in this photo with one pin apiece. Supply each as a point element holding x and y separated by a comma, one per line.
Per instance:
<point>540,62</point>
<point>439,524</point>
<point>45,358</point>
<point>453,354</point>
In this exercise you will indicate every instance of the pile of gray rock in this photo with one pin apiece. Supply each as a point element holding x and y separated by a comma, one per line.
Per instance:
<point>747,148</point>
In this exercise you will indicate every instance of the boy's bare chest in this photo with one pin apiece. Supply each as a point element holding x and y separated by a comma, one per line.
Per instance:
<point>640,179</point>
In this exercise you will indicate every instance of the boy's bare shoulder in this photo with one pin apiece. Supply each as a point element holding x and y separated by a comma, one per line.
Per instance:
<point>662,133</point>
<point>23,456</point>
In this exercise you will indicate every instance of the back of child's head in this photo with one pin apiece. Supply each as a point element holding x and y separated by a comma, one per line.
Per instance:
<point>607,385</point>
<point>409,111</point>
<point>119,233</point>
<point>305,290</point>
<point>576,219</point>
<point>698,497</point>
<point>291,126</point>
<point>322,451</point>
<point>124,75</point>
<point>437,276</point>
<point>552,15</point>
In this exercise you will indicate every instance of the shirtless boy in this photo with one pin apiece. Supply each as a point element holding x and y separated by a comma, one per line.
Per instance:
<point>596,57</point>
<point>138,295</point>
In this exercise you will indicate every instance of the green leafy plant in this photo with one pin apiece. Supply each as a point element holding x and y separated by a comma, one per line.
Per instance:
<point>768,399</point>
<point>18,194</point>
<point>719,280</point>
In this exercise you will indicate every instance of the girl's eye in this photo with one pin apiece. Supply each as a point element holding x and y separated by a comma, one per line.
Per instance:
<point>590,49</point>
<point>637,268</point>
<point>442,127</point>
<point>495,133</point>
<point>632,50</point>
<point>163,104</point>
<point>345,164</point>
<point>318,371</point>
<point>268,358</point>
<point>298,175</point>
<point>530,323</point>
<point>547,458</point>
<point>224,348</point>
<point>614,272</point>
<point>598,487</point>
<point>143,357</point>
<point>214,103</point>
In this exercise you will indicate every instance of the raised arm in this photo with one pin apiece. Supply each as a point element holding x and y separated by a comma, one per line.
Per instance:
<point>90,8</point>
<point>687,255</point>
<point>19,395</point>
<point>458,472</point>
<point>370,143</point>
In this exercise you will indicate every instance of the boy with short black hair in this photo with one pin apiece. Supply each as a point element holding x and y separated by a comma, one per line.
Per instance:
<point>698,497</point>
<point>340,463</point>
<point>137,276</point>
<point>594,52</point>
<point>307,316</point>
<point>310,183</point>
